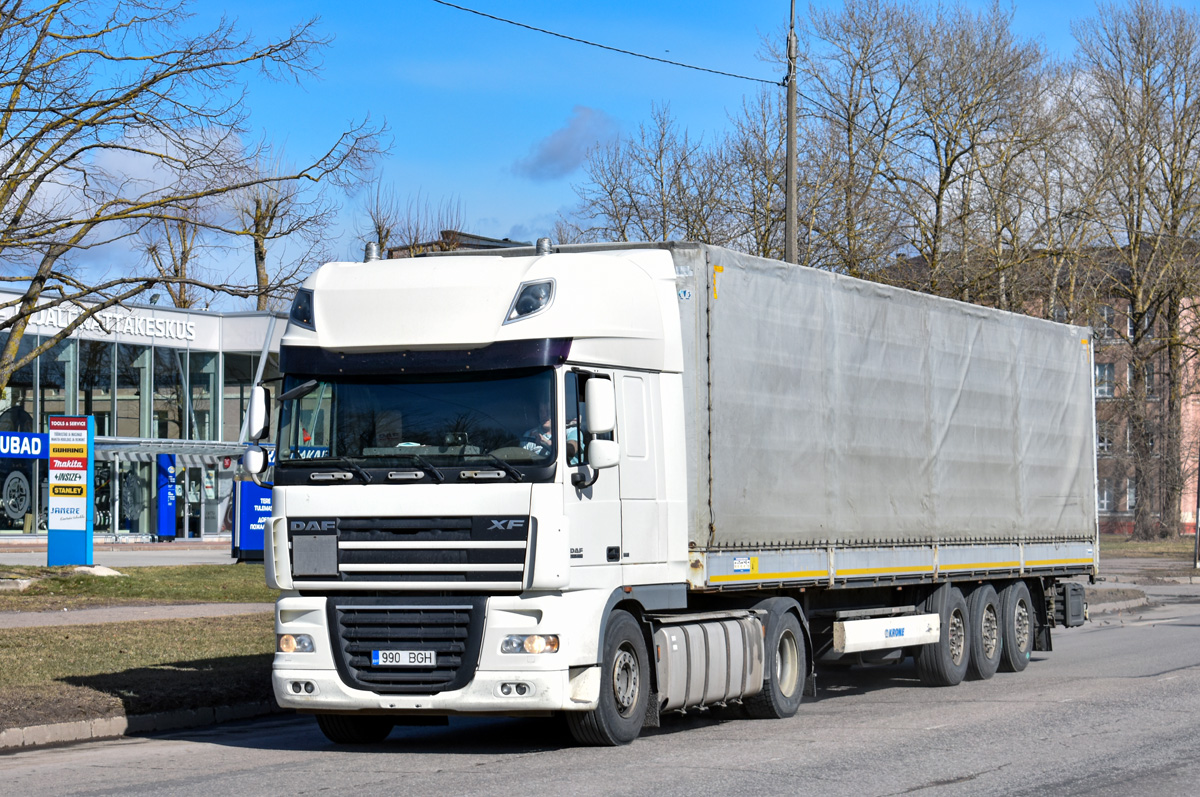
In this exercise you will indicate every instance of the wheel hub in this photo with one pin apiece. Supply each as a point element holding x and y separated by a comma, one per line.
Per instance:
<point>625,680</point>
<point>957,637</point>
<point>990,632</point>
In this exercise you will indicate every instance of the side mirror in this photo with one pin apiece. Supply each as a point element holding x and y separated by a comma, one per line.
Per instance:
<point>255,460</point>
<point>603,454</point>
<point>600,408</point>
<point>258,414</point>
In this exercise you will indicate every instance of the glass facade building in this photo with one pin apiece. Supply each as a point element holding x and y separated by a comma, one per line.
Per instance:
<point>156,380</point>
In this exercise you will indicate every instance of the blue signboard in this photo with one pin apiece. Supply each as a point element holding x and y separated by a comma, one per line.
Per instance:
<point>24,445</point>
<point>165,527</point>
<point>252,512</point>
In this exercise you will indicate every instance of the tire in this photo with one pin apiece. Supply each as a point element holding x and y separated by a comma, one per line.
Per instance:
<point>983,613</point>
<point>16,495</point>
<point>624,688</point>
<point>944,663</point>
<point>351,729</point>
<point>786,669</point>
<point>1016,627</point>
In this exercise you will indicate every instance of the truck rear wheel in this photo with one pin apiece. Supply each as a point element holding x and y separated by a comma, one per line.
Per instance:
<point>944,663</point>
<point>624,688</point>
<point>348,729</point>
<point>1016,623</point>
<point>786,669</point>
<point>983,611</point>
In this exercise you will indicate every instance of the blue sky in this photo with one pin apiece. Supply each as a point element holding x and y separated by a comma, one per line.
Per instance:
<point>497,117</point>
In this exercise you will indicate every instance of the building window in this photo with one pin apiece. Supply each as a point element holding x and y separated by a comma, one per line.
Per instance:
<point>95,384</point>
<point>170,390</point>
<point>133,390</point>
<point>1105,322</point>
<point>1105,379</point>
<point>202,382</point>
<point>1147,324</point>
<point>1104,496</point>
<point>56,383</point>
<point>1130,495</point>
<point>1103,439</point>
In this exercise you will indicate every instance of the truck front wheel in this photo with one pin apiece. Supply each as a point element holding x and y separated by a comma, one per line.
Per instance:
<point>624,688</point>
<point>783,683</point>
<point>349,729</point>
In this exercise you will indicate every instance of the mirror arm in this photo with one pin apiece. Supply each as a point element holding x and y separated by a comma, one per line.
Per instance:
<point>582,482</point>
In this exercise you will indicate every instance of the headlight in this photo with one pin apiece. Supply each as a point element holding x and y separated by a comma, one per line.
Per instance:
<point>532,643</point>
<point>294,643</point>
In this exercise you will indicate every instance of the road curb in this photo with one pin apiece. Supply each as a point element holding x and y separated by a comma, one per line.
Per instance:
<point>34,736</point>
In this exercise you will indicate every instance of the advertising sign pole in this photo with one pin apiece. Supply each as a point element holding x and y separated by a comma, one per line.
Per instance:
<point>70,513</point>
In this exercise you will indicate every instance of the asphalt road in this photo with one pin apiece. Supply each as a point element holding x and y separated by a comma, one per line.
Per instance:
<point>1114,710</point>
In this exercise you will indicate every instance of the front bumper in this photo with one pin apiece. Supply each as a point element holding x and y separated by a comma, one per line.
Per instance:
<point>547,691</point>
<point>497,683</point>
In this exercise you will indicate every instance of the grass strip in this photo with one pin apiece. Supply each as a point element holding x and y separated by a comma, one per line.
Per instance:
<point>67,673</point>
<point>1121,546</point>
<point>58,588</point>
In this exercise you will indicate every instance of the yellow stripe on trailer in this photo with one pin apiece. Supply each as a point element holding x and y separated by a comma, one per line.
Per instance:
<point>769,576</point>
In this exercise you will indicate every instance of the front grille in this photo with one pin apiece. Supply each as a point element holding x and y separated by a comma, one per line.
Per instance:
<point>422,553</point>
<point>451,627</point>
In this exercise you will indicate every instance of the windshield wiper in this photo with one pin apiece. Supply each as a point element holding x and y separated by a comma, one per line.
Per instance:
<point>504,466</point>
<point>424,465</point>
<point>345,462</point>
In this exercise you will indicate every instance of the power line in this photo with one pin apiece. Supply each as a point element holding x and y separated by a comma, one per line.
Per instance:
<point>606,47</point>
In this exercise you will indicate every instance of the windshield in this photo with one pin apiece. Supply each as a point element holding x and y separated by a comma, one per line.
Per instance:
<point>441,420</point>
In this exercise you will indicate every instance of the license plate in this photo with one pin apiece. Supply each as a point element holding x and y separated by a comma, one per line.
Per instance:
<point>403,658</point>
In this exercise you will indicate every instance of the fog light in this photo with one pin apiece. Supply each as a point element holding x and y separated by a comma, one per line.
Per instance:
<point>533,643</point>
<point>308,687</point>
<point>522,689</point>
<point>296,687</point>
<point>505,689</point>
<point>294,643</point>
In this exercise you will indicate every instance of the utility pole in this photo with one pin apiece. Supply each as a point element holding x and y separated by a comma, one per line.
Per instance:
<point>789,210</point>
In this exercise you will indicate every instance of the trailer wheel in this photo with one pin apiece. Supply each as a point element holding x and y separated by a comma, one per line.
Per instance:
<point>983,611</point>
<point>1016,626</point>
<point>624,688</point>
<point>944,663</point>
<point>786,668</point>
<point>348,729</point>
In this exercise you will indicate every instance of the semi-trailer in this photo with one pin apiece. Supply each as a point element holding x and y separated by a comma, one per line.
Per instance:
<point>621,480</point>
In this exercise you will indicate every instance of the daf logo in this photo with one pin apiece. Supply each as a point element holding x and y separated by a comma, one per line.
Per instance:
<point>506,525</point>
<point>313,525</point>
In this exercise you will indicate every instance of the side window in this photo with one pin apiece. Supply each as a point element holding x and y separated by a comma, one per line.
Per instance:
<point>576,433</point>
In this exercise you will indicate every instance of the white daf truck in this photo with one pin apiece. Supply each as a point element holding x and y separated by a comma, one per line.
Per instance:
<point>616,481</point>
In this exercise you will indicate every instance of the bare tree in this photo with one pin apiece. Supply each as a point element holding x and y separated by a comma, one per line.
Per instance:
<point>858,75</point>
<point>964,67</point>
<point>1141,107</point>
<point>172,243</point>
<point>421,225</point>
<point>109,115</point>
